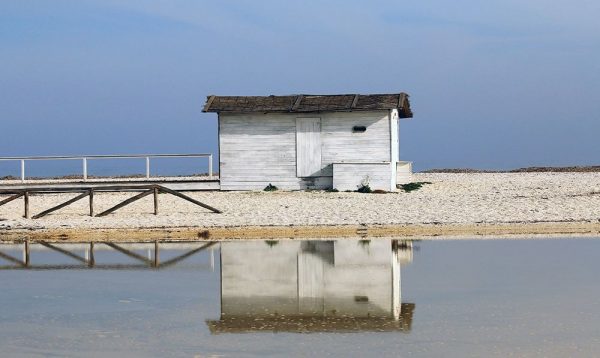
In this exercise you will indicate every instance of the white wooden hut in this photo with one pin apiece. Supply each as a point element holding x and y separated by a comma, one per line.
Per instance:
<point>310,141</point>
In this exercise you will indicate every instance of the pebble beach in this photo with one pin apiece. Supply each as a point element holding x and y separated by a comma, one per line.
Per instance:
<point>455,198</point>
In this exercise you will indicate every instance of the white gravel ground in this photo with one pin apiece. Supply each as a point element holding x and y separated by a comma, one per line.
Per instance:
<point>451,198</point>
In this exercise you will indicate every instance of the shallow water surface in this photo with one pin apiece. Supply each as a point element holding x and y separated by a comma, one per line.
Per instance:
<point>345,297</point>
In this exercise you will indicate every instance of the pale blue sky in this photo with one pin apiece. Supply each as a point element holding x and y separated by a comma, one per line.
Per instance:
<point>493,84</point>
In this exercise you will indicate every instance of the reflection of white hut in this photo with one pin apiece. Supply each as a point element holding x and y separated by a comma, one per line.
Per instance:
<point>341,284</point>
<point>310,141</point>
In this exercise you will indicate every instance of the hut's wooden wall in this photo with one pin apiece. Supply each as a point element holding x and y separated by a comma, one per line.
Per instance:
<point>258,149</point>
<point>350,176</point>
<point>340,144</point>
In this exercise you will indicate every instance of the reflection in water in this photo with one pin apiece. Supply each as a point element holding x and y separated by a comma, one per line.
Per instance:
<point>148,310</point>
<point>313,286</point>
<point>84,255</point>
<point>345,285</point>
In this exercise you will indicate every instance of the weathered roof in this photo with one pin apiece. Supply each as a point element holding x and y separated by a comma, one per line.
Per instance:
<point>310,103</point>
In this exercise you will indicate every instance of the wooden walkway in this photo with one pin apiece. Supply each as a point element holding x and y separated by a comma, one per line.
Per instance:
<point>90,191</point>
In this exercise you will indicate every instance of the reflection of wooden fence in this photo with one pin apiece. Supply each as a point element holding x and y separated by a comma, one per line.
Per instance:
<point>89,192</point>
<point>89,260</point>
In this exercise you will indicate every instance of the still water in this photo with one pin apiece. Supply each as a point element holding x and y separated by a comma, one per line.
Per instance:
<point>344,297</point>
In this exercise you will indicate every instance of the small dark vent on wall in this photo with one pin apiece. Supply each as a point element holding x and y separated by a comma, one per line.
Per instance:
<point>359,129</point>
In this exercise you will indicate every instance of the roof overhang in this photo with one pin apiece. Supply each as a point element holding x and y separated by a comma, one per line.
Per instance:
<point>305,103</point>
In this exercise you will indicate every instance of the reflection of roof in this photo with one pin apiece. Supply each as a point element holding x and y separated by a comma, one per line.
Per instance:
<point>310,103</point>
<point>312,324</point>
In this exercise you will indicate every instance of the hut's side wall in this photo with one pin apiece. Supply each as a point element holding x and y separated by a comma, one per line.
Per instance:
<point>341,144</point>
<point>258,149</point>
<point>351,176</point>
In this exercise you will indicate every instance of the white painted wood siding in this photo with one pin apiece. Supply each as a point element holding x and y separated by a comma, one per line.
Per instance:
<point>258,149</point>
<point>394,143</point>
<point>403,172</point>
<point>308,147</point>
<point>349,176</point>
<point>341,144</point>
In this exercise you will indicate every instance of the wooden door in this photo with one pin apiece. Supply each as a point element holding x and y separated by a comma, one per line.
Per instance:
<point>308,147</point>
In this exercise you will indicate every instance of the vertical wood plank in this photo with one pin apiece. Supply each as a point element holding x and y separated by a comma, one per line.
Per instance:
<point>91,203</point>
<point>308,147</point>
<point>155,201</point>
<point>26,200</point>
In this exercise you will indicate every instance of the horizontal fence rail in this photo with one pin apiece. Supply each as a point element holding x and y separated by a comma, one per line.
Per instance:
<point>84,160</point>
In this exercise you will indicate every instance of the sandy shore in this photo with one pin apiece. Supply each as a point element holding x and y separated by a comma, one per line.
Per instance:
<point>453,204</point>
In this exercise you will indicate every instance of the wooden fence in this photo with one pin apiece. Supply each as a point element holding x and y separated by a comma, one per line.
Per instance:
<point>85,158</point>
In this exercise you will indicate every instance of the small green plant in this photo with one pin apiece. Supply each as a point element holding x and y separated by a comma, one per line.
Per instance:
<point>413,186</point>
<point>333,190</point>
<point>270,187</point>
<point>364,189</point>
<point>271,243</point>
<point>364,186</point>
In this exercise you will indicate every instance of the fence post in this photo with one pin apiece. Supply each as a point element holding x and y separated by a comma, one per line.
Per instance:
<point>210,166</point>
<point>26,202</point>
<point>147,167</point>
<point>155,201</point>
<point>84,169</point>
<point>91,202</point>
<point>22,170</point>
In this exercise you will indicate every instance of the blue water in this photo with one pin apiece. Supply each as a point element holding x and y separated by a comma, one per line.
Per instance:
<point>470,298</point>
